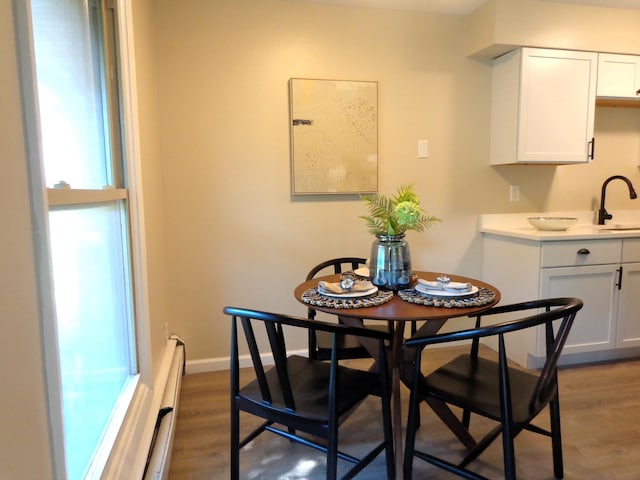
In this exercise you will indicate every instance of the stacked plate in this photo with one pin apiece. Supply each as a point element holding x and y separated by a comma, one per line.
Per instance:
<point>446,290</point>
<point>360,288</point>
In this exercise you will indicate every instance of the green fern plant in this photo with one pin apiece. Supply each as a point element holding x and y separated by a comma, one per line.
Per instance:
<point>394,216</point>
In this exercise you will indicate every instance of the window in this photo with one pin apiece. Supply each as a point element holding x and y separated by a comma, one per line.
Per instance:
<point>74,49</point>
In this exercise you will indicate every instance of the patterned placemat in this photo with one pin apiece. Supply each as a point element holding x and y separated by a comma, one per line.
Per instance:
<point>312,297</point>
<point>483,297</point>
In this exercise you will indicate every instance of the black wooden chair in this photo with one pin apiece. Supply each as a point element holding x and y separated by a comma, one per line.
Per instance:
<point>302,399</point>
<point>319,341</point>
<point>506,394</point>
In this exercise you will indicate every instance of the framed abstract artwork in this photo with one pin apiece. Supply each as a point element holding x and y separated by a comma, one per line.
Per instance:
<point>334,136</point>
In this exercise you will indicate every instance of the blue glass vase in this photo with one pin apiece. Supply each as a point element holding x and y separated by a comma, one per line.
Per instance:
<point>390,262</point>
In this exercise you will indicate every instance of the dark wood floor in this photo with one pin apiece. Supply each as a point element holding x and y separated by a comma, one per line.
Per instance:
<point>600,419</point>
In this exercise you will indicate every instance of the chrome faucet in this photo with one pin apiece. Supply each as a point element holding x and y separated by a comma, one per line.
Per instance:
<point>602,212</point>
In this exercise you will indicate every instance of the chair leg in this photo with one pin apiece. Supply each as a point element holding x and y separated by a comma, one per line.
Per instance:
<point>332,450</point>
<point>466,418</point>
<point>509,453</point>
<point>388,433</point>
<point>235,442</point>
<point>506,409</point>
<point>409,363</point>
<point>312,345</point>
<point>413,422</point>
<point>556,438</point>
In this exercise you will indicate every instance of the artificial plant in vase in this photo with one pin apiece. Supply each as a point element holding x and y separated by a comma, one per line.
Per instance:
<point>389,218</point>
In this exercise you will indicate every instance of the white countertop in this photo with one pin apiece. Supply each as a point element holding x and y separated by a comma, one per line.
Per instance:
<point>516,225</point>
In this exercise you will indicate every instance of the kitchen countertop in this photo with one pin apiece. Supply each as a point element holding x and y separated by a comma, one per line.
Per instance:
<point>625,224</point>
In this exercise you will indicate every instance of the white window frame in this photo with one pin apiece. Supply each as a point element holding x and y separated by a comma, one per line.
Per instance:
<point>130,439</point>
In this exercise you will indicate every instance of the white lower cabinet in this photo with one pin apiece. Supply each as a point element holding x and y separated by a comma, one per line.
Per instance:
<point>604,274</point>
<point>628,327</point>
<point>594,328</point>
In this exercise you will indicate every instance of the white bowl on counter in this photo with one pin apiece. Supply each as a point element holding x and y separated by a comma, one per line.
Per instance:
<point>552,223</point>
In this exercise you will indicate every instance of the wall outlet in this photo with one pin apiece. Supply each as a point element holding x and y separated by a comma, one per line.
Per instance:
<point>514,193</point>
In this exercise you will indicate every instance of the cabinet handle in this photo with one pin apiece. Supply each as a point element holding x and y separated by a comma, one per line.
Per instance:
<point>619,284</point>
<point>584,251</point>
<point>592,148</point>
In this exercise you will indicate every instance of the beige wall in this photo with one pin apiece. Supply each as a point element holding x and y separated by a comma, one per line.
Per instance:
<point>235,236</point>
<point>498,25</point>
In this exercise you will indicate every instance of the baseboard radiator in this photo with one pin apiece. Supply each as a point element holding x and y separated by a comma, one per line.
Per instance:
<point>159,457</point>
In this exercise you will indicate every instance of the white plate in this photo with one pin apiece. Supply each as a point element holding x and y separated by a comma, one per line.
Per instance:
<point>443,293</point>
<point>362,271</point>
<point>363,293</point>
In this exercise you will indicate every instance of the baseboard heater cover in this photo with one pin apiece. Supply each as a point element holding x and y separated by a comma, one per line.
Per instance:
<point>159,458</point>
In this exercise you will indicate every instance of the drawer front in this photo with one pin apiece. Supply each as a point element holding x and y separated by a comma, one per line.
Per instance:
<point>581,252</point>
<point>631,250</point>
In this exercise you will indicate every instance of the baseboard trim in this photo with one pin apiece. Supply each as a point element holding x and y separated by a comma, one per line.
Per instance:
<point>222,363</point>
<point>584,358</point>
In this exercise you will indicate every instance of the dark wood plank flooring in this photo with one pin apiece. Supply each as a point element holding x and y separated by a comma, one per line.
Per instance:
<point>600,408</point>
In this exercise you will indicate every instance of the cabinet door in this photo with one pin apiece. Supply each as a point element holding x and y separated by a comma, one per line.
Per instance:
<point>628,327</point>
<point>618,76</point>
<point>594,326</point>
<point>557,105</point>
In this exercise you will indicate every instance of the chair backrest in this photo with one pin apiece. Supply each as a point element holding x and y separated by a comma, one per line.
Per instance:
<point>273,324</point>
<point>556,314</point>
<point>338,264</point>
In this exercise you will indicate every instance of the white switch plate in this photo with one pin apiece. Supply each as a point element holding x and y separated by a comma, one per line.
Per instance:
<point>423,148</point>
<point>514,193</point>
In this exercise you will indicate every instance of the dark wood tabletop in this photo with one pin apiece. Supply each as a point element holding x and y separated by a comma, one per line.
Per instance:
<point>398,309</point>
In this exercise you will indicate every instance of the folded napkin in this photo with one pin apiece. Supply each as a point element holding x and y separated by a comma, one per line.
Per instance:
<point>451,286</point>
<point>336,289</point>
<point>362,271</point>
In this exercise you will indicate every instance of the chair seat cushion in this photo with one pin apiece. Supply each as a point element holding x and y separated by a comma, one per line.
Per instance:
<point>475,385</point>
<point>309,383</point>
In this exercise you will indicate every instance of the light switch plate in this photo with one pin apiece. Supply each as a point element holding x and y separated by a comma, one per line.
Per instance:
<point>423,148</point>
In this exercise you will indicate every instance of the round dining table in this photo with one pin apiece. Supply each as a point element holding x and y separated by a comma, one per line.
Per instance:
<point>397,312</point>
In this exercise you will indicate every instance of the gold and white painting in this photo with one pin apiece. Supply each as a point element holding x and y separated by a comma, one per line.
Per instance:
<point>334,136</point>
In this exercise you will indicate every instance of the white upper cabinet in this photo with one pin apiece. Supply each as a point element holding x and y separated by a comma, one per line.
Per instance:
<point>543,104</point>
<point>618,76</point>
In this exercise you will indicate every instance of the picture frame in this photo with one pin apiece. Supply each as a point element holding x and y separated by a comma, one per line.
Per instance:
<point>334,136</point>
